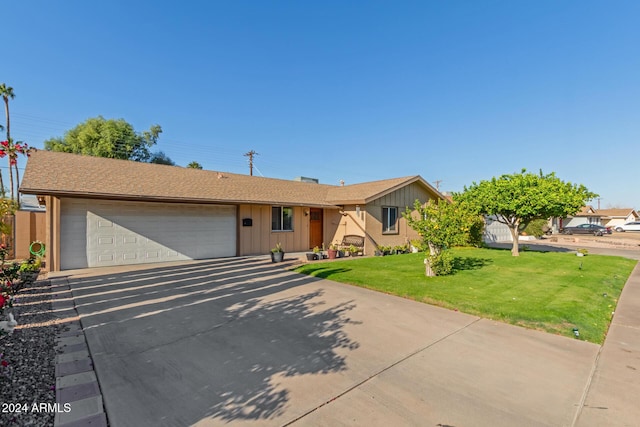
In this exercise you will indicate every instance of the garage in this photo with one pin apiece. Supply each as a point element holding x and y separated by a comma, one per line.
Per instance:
<point>100,233</point>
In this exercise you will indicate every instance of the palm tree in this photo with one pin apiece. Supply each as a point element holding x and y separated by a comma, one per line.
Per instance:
<point>1,182</point>
<point>194,165</point>
<point>7,92</point>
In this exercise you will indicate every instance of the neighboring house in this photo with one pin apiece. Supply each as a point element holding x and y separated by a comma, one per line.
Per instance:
<point>613,217</point>
<point>587,215</point>
<point>590,215</point>
<point>104,212</point>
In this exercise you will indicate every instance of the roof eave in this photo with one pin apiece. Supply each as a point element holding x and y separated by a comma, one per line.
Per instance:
<point>347,202</point>
<point>149,198</point>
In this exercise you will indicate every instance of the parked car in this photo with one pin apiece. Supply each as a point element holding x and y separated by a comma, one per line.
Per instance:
<point>596,230</point>
<point>630,226</point>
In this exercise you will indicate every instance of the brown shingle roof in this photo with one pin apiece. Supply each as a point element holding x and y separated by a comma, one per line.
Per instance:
<point>64,174</point>
<point>623,213</point>
<point>587,211</point>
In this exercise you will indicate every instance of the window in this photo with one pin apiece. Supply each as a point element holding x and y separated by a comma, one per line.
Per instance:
<point>281,218</point>
<point>389,220</point>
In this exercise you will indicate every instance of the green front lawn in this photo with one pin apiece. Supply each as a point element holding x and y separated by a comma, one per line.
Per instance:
<point>551,291</point>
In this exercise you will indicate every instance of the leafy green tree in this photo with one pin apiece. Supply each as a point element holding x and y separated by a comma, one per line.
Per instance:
<point>517,199</point>
<point>194,165</point>
<point>441,225</point>
<point>110,138</point>
<point>161,159</point>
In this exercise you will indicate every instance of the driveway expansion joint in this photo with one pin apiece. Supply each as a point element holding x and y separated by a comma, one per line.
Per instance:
<point>581,405</point>
<point>383,370</point>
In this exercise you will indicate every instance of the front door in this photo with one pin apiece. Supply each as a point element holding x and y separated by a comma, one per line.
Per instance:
<point>315,228</point>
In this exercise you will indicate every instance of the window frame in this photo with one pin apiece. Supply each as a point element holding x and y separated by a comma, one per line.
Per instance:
<point>281,219</point>
<point>390,228</point>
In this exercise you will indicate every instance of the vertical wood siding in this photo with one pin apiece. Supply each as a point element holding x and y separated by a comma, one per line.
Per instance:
<point>259,239</point>
<point>402,198</point>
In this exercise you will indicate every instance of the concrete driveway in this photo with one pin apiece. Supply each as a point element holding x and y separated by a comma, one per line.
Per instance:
<point>245,342</point>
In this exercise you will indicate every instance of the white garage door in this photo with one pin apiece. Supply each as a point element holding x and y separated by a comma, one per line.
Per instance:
<point>104,233</point>
<point>495,231</point>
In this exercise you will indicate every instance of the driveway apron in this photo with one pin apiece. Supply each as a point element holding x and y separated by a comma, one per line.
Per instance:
<point>242,341</point>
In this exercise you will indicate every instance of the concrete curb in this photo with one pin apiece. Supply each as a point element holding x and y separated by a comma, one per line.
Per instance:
<point>611,397</point>
<point>76,383</point>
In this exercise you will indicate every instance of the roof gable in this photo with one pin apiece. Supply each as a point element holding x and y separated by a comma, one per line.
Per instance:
<point>587,211</point>
<point>368,191</point>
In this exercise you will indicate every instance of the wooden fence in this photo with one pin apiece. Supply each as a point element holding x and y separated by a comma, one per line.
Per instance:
<point>26,227</point>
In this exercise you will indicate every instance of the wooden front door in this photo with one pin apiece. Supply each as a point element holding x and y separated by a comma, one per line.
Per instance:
<point>315,228</point>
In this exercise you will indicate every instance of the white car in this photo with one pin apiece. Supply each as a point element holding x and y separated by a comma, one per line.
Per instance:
<point>630,226</point>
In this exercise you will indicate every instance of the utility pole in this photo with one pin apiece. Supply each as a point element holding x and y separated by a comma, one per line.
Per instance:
<point>437,183</point>
<point>250,155</point>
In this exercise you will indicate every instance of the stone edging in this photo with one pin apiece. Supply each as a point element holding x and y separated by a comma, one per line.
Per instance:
<point>76,381</point>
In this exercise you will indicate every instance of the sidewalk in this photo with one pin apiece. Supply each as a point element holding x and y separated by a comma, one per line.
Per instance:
<point>612,396</point>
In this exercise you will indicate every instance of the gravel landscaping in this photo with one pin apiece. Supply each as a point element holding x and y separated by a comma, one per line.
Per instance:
<point>27,370</point>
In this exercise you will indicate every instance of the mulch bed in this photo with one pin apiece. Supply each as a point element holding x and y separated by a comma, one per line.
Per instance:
<point>27,370</point>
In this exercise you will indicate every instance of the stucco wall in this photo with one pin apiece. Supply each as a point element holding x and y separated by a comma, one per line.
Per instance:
<point>578,220</point>
<point>334,223</point>
<point>618,221</point>
<point>349,222</point>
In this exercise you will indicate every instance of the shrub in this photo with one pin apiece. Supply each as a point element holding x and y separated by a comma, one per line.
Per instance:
<point>32,264</point>
<point>536,228</point>
<point>400,249</point>
<point>476,231</point>
<point>442,263</point>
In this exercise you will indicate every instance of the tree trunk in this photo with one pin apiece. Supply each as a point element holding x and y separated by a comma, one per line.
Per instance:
<point>11,177</point>
<point>17,183</point>
<point>428,271</point>
<point>6,110</point>
<point>514,235</point>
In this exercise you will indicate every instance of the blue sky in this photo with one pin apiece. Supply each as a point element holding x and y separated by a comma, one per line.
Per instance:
<point>455,91</point>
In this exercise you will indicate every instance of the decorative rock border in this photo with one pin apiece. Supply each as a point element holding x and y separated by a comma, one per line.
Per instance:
<point>77,390</point>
